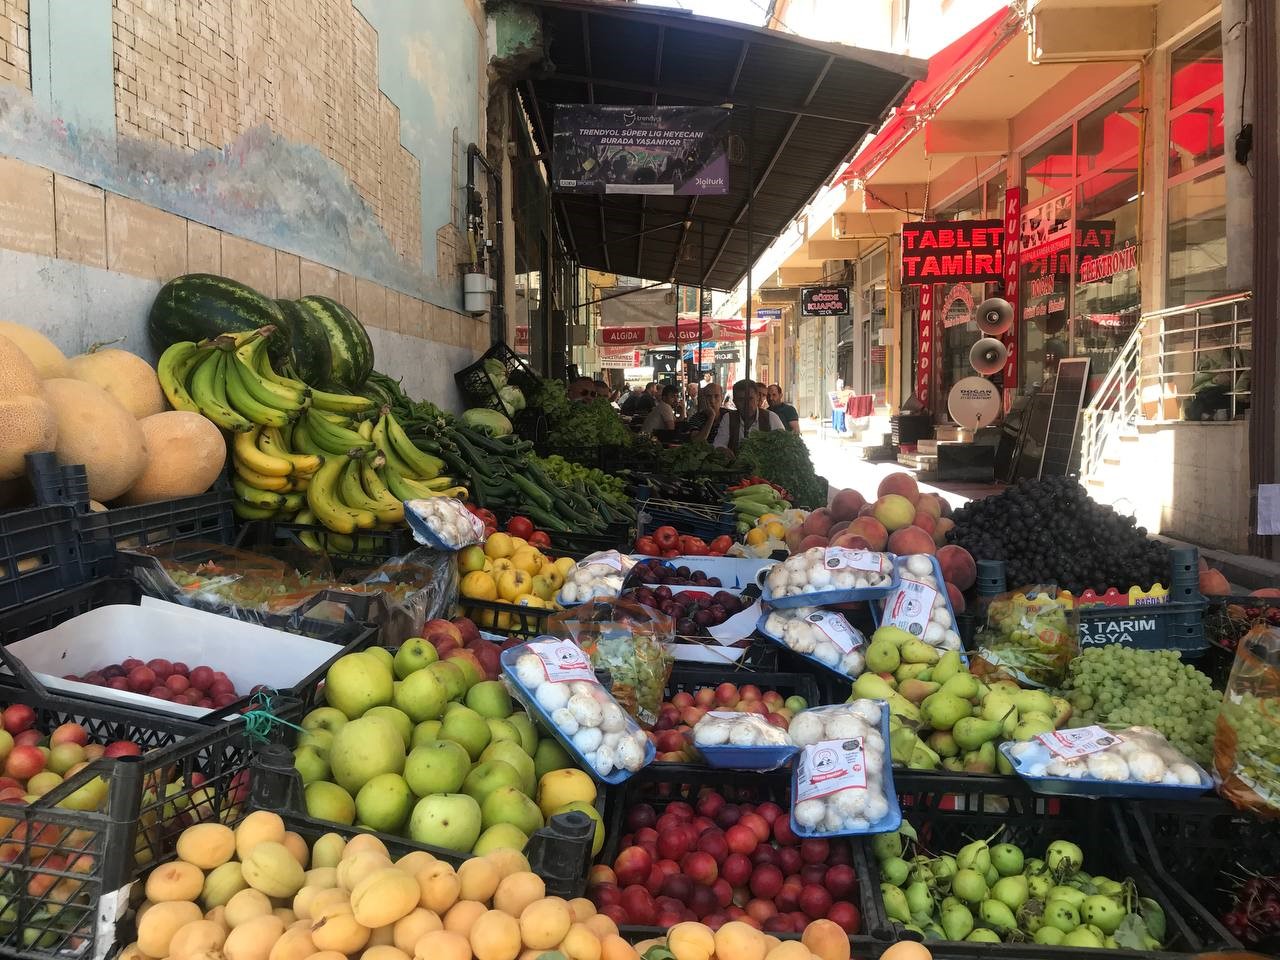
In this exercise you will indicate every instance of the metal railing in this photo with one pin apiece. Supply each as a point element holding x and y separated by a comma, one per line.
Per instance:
<point>1183,363</point>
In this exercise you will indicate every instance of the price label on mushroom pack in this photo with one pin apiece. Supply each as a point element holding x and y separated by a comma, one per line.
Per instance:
<point>1079,742</point>
<point>563,662</point>
<point>909,607</point>
<point>829,766</point>
<point>837,558</point>
<point>836,629</point>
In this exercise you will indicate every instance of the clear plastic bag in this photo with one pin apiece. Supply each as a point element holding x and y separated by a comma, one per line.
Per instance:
<point>1246,743</point>
<point>1031,635</point>
<point>630,641</point>
<point>443,523</point>
<point>600,574</point>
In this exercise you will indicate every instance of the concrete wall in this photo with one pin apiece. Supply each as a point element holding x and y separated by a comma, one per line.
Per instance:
<point>301,146</point>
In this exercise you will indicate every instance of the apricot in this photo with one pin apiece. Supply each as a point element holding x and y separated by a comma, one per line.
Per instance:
<point>412,927</point>
<point>691,941</point>
<point>827,940</point>
<point>544,923</point>
<point>131,952</point>
<point>327,955</point>
<point>158,925</point>
<point>253,939</point>
<point>245,906</point>
<point>271,868</point>
<point>294,944</point>
<point>740,941</point>
<point>287,916</point>
<point>336,928</point>
<point>327,851</point>
<point>384,897</point>
<point>580,944</point>
<point>327,898</point>
<point>582,909</point>
<point>176,880</point>
<point>442,945</point>
<point>207,845</point>
<point>415,861</point>
<point>462,915</point>
<point>219,916</point>
<point>354,869</point>
<point>362,843</point>
<point>791,950</point>
<point>508,861</point>
<point>196,936</point>
<point>495,936</point>
<point>322,877</point>
<point>613,947</point>
<point>255,828</point>
<point>479,879</point>
<point>384,952</point>
<point>516,891</point>
<point>298,847</point>
<point>438,886</point>
<point>600,924</point>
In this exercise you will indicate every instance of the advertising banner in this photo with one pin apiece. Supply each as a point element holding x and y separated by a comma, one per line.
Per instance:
<point>640,149</point>
<point>622,336</point>
<point>924,359</point>
<point>522,339</point>
<point>612,358</point>
<point>686,333</point>
<point>970,251</point>
<point>824,301</point>
<point>1012,262</point>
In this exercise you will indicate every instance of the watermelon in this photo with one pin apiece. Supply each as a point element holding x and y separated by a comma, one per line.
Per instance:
<point>312,358</point>
<point>351,353</point>
<point>198,306</point>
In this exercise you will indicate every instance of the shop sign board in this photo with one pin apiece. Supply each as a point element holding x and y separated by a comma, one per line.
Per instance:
<point>924,357</point>
<point>1012,264</point>
<point>956,250</point>
<point>680,334</point>
<point>824,301</point>
<point>768,313</point>
<point>957,309</point>
<point>658,150</point>
<point>728,355</point>
<point>622,336</point>
<point>1104,266</point>
<point>522,339</point>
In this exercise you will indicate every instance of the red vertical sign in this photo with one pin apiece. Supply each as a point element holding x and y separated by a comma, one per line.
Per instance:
<point>1012,243</point>
<point>924,353</point>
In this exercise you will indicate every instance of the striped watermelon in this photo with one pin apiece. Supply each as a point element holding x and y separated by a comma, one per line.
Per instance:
<point>197,306</point>
<point>351,353</point>
<point>312,358</point>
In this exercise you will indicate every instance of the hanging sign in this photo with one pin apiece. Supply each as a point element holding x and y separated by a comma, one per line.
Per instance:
<point>957,309</point>
<point>522,339</point>
<point>959,250</point>
<point>727,355</point>
<point>622,336</point>
<point>613,359</point>
<point>1012,262</point>
<point>769,313</point>
<point>681,334</point>
<point>824,301</point>
<point>656,150</point>
<point>924,361</point>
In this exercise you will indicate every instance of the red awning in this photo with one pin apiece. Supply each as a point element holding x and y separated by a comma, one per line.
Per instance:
<point>948,70</point>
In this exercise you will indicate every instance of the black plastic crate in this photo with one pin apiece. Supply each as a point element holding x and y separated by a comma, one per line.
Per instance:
<point>68,871</point>
<point>474,383</point>
<point>707,521</point>
<point>17,624</point>
<point>39,553</point>
<point>51,483</point>
<point>688,678</point>
<point>560,853</point>
<point>506,619</point>
<point>949,812</point>
<point>365,548</point>
<point>207,517</point>
<point>618,537</point>
<point>1197,849</point>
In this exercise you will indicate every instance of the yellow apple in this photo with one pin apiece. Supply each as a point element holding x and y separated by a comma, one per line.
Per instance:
<point>564,565</point>
<point>554,577</point>
<point>513,583</point>
<point>498,545</point>
<point>542,587</point>
<point>502,565</point>
<point>526,560</point>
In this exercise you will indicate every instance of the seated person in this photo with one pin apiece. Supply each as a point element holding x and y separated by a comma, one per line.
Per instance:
<point>747,416</point>
<point>663,414</point>
<point>710,402</point>
<point>786,412</point>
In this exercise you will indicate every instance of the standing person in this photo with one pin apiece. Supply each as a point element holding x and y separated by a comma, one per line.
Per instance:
<point>706,417</point>
<point>785,411</point>
<point>745,417</point>
<point>663,414</point>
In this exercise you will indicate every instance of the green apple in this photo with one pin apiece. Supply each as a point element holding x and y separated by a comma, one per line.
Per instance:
<point>414,654</point>
<point>319,740</point>
<point>422,696</point>
<point>64,756</point>
<point>425,732</point>
<point>509,752</point>
<point>398,719</point>
<point>468,728</point>
<point>357,682</point>
<point>437,767</point>
<point>310,764</point>
<point>363,749</point>
<point>449,675</point>
<point>528,732</point>
<point>489,698</point>
<point>550,756</point>
<point>488,776</point>
<point>384,803</point>
<point>447,820</point>
<point>6,744</point>
<point>510,805</point>
<point>329,719</point>
<point>328,801</point>
<point>581,806</point>
<point>796,703</point>
<point>501,836</point>
<point>383,655</point>
<point>503,730</point>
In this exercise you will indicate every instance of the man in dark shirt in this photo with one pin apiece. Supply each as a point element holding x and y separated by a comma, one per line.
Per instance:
<point>785,411</point>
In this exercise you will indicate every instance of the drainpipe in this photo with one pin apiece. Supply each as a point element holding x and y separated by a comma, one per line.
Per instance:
<point>487,245</point>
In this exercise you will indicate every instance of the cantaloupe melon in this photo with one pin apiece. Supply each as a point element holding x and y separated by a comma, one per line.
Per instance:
<point>124,375</point>
<point>49,361</point>
<point>94,429</point>
<point>185,454</point>
<point>27,423</point>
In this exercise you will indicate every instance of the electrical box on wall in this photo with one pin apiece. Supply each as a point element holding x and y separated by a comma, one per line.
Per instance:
<point>476,289</point>
<point>888,338</point>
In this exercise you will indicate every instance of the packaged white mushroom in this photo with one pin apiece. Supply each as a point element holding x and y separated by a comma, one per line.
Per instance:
<point>555,680</point>
<point>919,603</point>
<point>842,778</point>
<point>821,635</point>
<point>1115,762</point>
<point>443,523</point>
<point>741,741</point>
<point>823,575</point>
<point>598,575</point>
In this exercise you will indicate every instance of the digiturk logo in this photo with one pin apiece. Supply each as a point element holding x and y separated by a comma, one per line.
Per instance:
<point>709,181</point>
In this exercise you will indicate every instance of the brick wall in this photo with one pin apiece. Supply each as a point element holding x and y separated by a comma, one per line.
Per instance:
<point>15,43</point>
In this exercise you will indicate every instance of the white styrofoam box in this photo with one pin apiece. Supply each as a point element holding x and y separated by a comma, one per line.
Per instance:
<point>735,573</point>
<point>247,653</point>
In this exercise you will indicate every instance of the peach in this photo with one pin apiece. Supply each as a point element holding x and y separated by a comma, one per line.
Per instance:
<point>958,566</point>
<point>894,511</point>
<point>544,923</point>
<point>925,522</point>
<point>442,945</point>
<point>691,941</point>
<point>793,537</point>
<point>495,936</point>
<point>462,915</point>
<point>941,528</point>
<point>931,504</point>
<point>956,598</point>
<point>846,504</point>
<point>910,540</point>
<point>818,523</point>
<point>871,530</point>
<point>827,940</point>
<point>517,891</point>
<point>813,540</point>
<point>1268,592</point>
<point>838,528</point>
<point>739,940</point>
<point>1213,583</point>
<point>850,541</point>
<point>899,484</point>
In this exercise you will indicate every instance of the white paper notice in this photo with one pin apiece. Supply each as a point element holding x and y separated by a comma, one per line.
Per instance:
<point>1268,509</point>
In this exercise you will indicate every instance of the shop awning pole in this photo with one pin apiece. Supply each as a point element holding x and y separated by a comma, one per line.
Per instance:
<point>751,196</point>
<point>702,265</point>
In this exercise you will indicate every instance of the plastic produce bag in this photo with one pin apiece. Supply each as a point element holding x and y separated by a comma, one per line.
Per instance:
<point>600,574</point>
<point>443,523</point>
<point>1030,636</point>
<point>1246,743</point>
<point>630,641</point>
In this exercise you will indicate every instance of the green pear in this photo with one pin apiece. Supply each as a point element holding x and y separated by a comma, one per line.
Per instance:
<point>943,742</point>
<point>982,760</point>
<point>922,758</point>
<point>954,764</point>
<point>1012,891</point>
<point>1003,766</point>
<point>895,635</point>
<point>948,665</point>
<point>942,710</point>
<point>869,686</point>
<point>1031,725</point>
<point>962,685</point>
<point>1033,701</point>
<point>882,657</point>
<point>902,742</point>
<point>972,732</point>
<point>917,651</point>
<point>912,671</point>
<point>916,690</point>
<point>996,705</point>
<point>900,705</point>
<point>1061,711</point>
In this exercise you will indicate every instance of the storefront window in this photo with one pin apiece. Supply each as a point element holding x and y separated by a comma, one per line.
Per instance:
<point>1107,299</point>
<point>1197,247</point>
<point>1047,170</point>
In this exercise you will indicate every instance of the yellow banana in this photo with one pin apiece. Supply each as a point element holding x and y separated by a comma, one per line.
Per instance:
<point>260,480</point>
<point>246,449</point>
<point>254,496</point>
<point>272,442</point>
<point>339,402</point>
<point>325,501</point>
<point>392,510</point>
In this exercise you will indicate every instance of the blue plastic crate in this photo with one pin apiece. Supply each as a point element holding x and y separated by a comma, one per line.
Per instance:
<point>707,521</point>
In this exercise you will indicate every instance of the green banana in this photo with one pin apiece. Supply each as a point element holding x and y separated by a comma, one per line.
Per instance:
<point>375,486</point>
<point>383,443</point>
<point>246,511</point>
<point>242,399</point>
<point>423,464</point>
<point>339,402</point>
<point>293,502</point>
<point>300,440</point>
<point>352,493</point>
<point>209,391</point>
<point>331,438</point>
<point>265,391</point>
<point>173,369</point>
<point>265,499</point>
